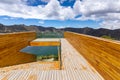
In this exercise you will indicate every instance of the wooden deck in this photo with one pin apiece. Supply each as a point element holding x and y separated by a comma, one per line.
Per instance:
<point>75,67</point>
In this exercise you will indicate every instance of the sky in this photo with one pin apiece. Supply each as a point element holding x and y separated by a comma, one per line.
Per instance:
<point>61,13</point>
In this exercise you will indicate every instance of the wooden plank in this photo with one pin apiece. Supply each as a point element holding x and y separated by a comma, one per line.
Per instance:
<point>44,43</point>
<point>103,54</point>
<point>10,44</point>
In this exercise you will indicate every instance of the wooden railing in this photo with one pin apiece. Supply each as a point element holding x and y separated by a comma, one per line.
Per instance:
<point>10,44</point>
<point>103,54</point>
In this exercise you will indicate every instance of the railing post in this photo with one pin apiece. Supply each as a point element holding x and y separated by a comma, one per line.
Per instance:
<point>60,57</point>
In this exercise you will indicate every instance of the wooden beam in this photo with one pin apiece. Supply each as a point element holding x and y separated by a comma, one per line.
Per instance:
<point>44,43</point>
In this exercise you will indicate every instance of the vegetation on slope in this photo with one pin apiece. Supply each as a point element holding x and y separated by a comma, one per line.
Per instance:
<point>55,57</point>
<point>107,37</point>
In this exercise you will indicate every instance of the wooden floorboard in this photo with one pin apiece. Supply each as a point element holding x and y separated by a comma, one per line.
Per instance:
<point>75,67</point>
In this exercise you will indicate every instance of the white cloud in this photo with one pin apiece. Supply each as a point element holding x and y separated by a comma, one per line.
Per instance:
<point>107,10</point>
<point>109,24</point>
<point>10,1</point>
<point>62,1</point>
<point>53,10</point>
<point>66,13</point>
<point>41,22</point>
<point>88,7</point>
<point>60,27</point>
<point>46,1</point>
<point>76,7</point>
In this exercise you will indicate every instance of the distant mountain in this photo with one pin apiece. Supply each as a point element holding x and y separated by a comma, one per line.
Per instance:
<point>96,32</point>
<point>22,28</point>
<point>89,31</point>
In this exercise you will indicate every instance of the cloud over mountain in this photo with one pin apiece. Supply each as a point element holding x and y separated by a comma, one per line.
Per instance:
<point>104,10</point>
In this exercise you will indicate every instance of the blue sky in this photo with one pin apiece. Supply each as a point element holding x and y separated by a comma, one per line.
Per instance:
<point>61,13</point>
<point>49,23</point>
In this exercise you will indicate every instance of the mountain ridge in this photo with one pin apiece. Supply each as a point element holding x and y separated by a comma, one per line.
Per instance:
<point>89,31</point>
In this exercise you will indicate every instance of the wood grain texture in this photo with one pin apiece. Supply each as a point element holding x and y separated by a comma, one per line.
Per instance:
<point>103,54</point>
<point>75,67</point>
<point>10,44</point>
<point>44,43</point>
